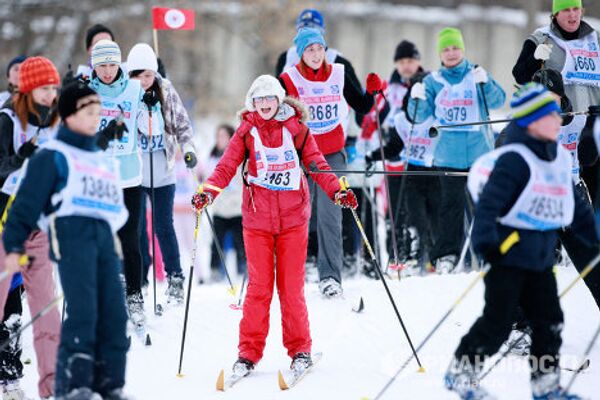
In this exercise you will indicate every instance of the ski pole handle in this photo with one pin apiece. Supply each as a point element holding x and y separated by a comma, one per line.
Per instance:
<point>23,261</point>
<point>344,183</point>
<point>509,242</point>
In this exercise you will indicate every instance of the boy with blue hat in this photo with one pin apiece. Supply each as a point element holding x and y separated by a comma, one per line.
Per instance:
<point>524,194</point>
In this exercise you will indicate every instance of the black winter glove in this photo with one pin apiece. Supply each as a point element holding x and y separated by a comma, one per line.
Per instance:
<point>594,111</point>
<point>492,255</point>
<point>27,149</point>
<point>150,98</point>
<point>190,159</point>
<point>112,131</point>
<point>68,78</point>
<point>369,165</point>
<point>418,77</point>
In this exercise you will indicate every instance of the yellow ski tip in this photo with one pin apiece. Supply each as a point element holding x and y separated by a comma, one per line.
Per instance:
<point>221,381</point>
<point>421,370</point>
<point>365,398</point>
<point>180,375</point>
<point>282,384</point>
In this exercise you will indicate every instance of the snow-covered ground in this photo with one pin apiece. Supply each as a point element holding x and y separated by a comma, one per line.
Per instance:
<point>361,351</point>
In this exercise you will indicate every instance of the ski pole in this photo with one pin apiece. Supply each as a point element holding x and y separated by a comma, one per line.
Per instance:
<point>375,220</point>
<point>387,191</point>
<point>238,306</point>
<point>231,289</point>
<point>479,277</point>
<point>584,357</point>
<point>590,266</point>
<point>433,131</point>
<point>189,293</point>
<point>220,252</point>
<point>152,203</point>
<point>363,218</point>
<point>37,316</point>
<point>481,86</point>
<point>344,187</point>
<point>510,241</point>
<point>465,249</point>
<point>408,149</point>
<point>315,170</point>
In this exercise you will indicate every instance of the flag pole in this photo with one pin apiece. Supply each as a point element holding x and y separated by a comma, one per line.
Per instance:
<point>155,36</point>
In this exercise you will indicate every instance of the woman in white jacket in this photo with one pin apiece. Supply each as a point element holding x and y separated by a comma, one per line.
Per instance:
<point>163,124</point>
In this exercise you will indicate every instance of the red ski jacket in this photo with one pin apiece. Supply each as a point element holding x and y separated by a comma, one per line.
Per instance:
<point>264,209</point>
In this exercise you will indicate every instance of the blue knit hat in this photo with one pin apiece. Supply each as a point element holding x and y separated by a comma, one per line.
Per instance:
<point>307,36</point>
<point>310,18</point>
<point>16,60</point>
<point>532,102</point>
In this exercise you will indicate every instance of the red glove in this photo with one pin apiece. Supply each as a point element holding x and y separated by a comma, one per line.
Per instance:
<point>374,83</point>
<point>346,199</point>
<point>201,201</point>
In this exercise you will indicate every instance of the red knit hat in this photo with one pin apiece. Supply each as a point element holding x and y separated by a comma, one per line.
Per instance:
<point>36,72</point>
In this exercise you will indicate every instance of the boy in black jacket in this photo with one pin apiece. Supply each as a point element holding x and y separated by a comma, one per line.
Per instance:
<point>528,197</point>
<point>76,191</point>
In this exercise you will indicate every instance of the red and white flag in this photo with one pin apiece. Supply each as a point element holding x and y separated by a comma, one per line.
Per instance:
<point>173,18</point>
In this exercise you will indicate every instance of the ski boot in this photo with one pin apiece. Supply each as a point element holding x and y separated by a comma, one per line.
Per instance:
<point>463,379</point>
<point>411,268</point>
<point>369,269</point>
<point>117,394</point>
<point>518,343</point>
<point>446,264</point>
<point>175,289</point>
<point>81,394</point>
<point>242,367</point>
<point>300,362</point>
<point>547,387</point>
<point>330,288</point>
<point>349,265</point>
<point>11,390</point>
<point>135,306</point>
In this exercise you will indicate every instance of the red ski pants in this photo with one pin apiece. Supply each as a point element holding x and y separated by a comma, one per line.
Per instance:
<point>275,257</point>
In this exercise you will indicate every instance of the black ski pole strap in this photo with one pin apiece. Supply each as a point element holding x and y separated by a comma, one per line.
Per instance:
<point>300,151</point>
<point>243,171</point>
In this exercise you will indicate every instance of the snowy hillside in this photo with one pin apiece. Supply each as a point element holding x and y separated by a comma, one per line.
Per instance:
<point>361,351</point>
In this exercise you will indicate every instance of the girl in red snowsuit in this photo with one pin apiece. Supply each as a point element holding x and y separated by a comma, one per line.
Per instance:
<point>272,140</point>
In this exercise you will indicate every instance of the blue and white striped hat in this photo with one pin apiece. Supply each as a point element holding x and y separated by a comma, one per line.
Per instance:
<point>532,102</point>
<point>105,52</point>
